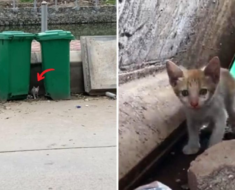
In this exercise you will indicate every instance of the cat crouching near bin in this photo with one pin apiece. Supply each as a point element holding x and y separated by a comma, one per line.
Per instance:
<point>35,92</point>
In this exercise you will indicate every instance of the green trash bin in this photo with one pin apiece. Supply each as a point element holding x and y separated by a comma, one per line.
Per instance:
<point>55,47</point>
<point>15,57</point>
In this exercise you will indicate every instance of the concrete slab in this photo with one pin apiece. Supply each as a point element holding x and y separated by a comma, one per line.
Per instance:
<point>45,125</point>
<point>99,63</point>
<point>86,169</point>
<point>149,112</point>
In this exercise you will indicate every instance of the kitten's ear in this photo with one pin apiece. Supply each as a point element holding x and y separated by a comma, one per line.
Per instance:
<point>174,72</point>
<point>213,69</point>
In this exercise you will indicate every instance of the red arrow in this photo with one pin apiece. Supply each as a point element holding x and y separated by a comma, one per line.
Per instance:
<point>40,76</point>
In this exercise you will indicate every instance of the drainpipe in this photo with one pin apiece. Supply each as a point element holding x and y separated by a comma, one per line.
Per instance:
<point>56,6</point>
<point>14,5</point>
<point>96,3</point>
<point>76,5</point>
<point>44,16</point>
<point>35,5</point>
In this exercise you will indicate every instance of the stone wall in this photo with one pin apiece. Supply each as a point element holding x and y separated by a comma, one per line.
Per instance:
<point>65,3</point>
<point>64,15</point>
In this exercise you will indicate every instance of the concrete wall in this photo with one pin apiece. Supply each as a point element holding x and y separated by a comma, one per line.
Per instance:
<point>76,72</point>
<point>148,113</point>
<point>190,33</point>
<point>64,15</point>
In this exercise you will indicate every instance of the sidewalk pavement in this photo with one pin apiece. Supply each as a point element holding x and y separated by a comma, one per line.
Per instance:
<point>57,146</point>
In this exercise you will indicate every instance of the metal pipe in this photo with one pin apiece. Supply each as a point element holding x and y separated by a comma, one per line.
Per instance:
<point>56,6</point>
<point>96,3</point>
<point>14,4</point>
<point>76,4</point>
<point>111,95</point>
<point>44,16</point>
<point>35,5</point>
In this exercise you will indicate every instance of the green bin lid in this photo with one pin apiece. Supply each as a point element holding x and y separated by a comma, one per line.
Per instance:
<point>11,35</point>
<point>54,34</point>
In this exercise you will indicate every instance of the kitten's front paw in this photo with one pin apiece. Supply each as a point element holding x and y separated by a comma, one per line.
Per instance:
<point>189,149</point>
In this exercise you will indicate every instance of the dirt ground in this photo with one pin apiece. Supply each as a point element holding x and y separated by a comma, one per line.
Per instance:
<point>58,144</point>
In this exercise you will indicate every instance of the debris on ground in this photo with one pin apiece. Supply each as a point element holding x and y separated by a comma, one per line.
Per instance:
<point>6,107</point>
<point>177,180</point>
<point>110,95</point>
<point>185,187</point>
<point>156,185</point>
<point>29,97</point>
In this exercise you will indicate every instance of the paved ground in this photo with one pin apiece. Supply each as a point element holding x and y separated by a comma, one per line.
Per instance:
<point>54,145</point>
<point>74,46</point>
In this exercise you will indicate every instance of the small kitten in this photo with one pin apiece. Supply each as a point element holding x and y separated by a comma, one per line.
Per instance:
<point>207,94</point>
<point>35,91</point>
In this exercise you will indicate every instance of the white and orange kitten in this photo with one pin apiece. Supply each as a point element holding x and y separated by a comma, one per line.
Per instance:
<point>206,95</point>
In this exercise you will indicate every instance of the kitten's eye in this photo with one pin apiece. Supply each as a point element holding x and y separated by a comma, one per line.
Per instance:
<point>203,92</point>
<point>184,92</point>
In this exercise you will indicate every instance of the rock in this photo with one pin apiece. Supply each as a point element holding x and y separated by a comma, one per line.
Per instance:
<point>7,108</point>
<point>214,169</point>
<point>185,186</point>
<point>177,180</point>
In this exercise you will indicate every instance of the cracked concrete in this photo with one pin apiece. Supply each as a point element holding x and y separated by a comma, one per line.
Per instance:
<point>55,145</point>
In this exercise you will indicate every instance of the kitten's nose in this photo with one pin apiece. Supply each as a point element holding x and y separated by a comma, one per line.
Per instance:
<point>194,104</point>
